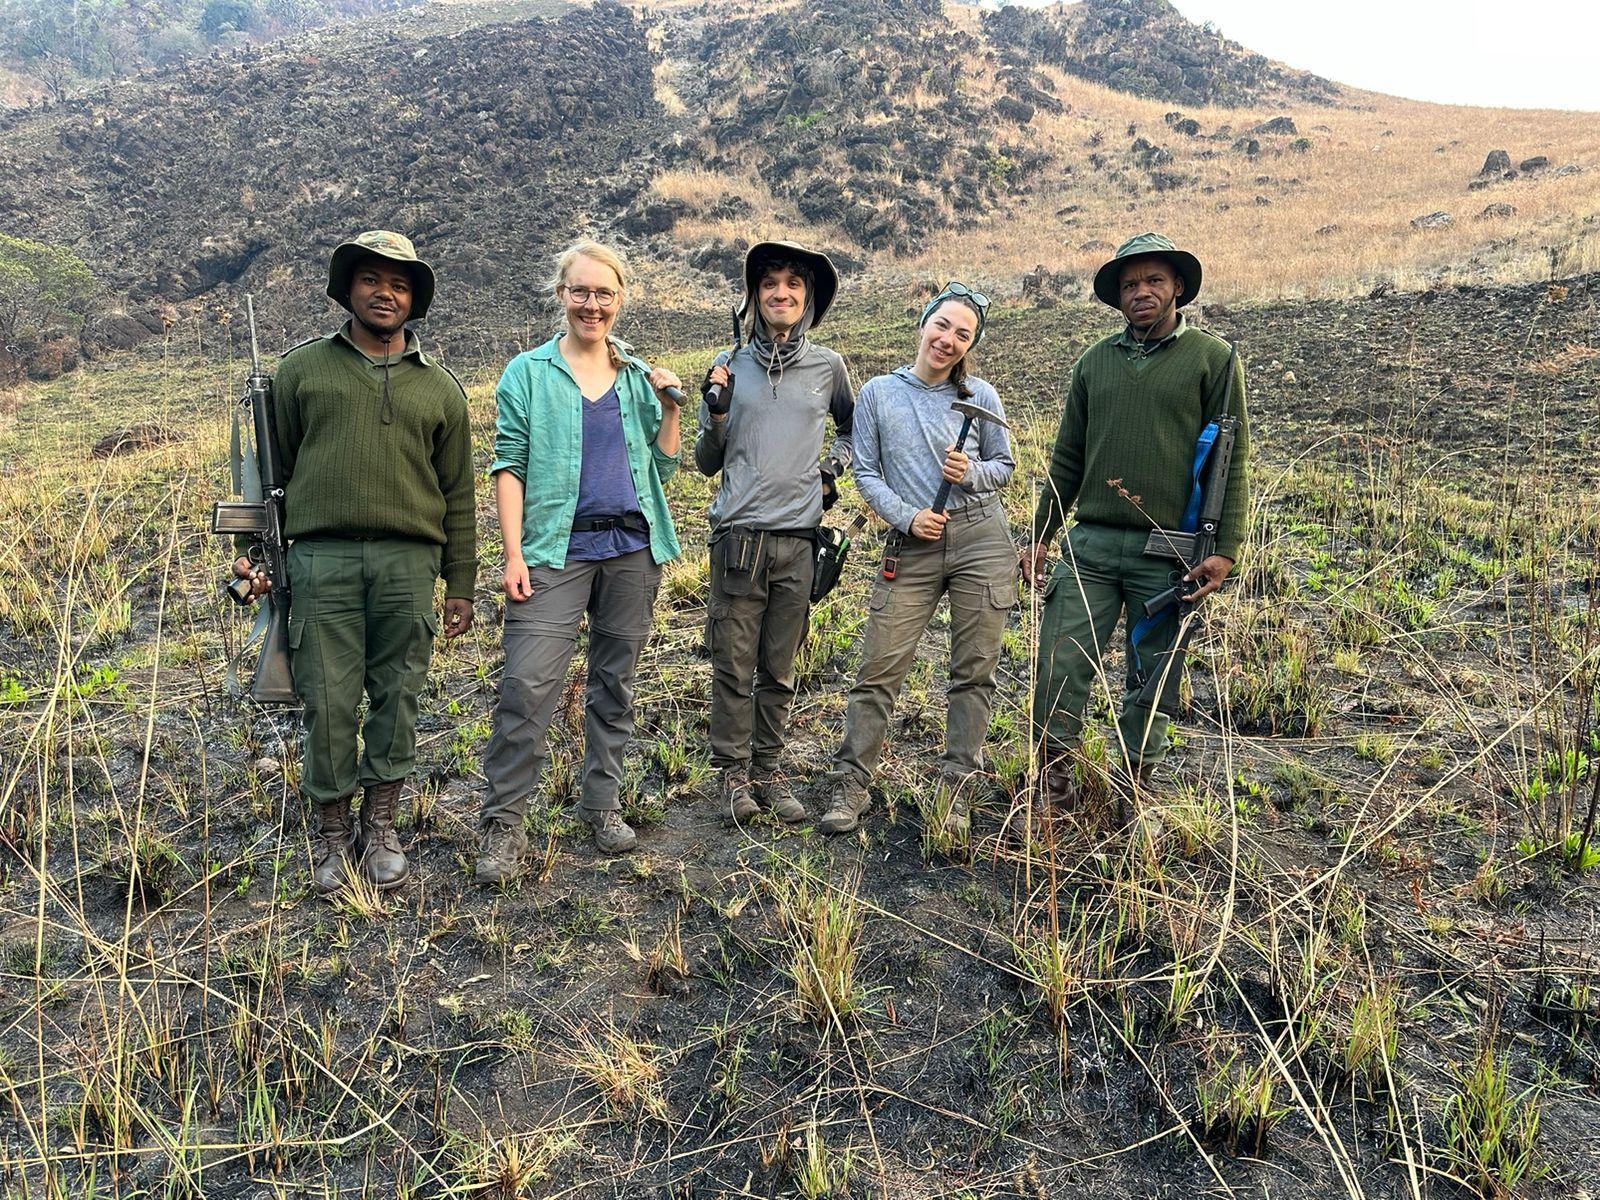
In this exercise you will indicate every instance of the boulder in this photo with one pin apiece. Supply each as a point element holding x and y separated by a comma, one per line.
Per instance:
<point>1325,230</point>
<point>1532,166</point>
<point>1497,210</point>
<point>653,217</point>
<point>1249,147</point>
<point>1277,125</point>
<point>1433,220</point>
<point>1014,110</point>
<point>1497,163</point>
<point>136,437</point>
<point>1569,169</point>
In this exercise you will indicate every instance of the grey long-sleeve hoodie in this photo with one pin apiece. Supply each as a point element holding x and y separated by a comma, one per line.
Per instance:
<point>768,449</point>
<point>902,426</point>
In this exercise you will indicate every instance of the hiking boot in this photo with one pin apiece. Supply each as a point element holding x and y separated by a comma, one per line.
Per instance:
<point>1140,787</point>
<point>773,793</point>
<point>850,799</point>
<point>612,835</point>
<point>332,838</point>
<point>958,821</point>
<point>500,853</point>
<point>1058,783</point>
<point>738,801</point>
<point>382,861</point>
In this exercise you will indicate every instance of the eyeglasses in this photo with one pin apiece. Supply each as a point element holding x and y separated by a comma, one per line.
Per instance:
<point>604,297</point>
<point>960,289</point>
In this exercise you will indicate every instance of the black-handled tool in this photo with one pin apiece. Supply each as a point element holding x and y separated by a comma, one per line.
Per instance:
<point>970,412</point>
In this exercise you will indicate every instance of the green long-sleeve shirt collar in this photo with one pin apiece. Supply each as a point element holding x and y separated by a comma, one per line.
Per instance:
<point>1141,351</point>
<point>412,348</point>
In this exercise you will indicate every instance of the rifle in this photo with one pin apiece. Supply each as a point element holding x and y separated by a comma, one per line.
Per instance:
<point>258,514</point>
<point>1159,686</point>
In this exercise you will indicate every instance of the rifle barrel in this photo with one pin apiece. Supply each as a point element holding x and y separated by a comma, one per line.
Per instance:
<point>255,352</point>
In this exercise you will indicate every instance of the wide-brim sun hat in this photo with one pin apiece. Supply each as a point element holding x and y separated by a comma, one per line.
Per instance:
<point>824,275</point>
<point>1107,280</point>
<point>385,244</point>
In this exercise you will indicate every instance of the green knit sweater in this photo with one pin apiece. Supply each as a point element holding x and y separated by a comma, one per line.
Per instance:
<point>1138,428</point>
<point>360,468</point>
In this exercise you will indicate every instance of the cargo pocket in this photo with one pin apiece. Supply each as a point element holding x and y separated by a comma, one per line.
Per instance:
<point>1004,595</point>
<point>879,600</point>
<point>716,613</point>
<point>420,650</point>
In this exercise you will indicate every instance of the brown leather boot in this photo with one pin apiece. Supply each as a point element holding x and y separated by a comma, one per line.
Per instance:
<point>382,861</point>
<point>332,838</point>
<point>1058,782</point>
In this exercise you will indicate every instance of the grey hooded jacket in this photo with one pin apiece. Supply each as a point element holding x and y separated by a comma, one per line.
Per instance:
<point>902,426</point>
<point>769,447</point>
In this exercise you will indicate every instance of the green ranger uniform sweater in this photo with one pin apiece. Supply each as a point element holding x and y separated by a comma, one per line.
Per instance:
<point>375,451</point>
<point>1130,423</point>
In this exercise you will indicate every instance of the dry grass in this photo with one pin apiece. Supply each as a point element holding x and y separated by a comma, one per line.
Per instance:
<point>1371,168</point>
<point>1336,218</point>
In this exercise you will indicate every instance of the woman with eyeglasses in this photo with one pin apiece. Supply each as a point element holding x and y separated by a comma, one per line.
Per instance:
<point>585,433</point>
<point>906,447</point>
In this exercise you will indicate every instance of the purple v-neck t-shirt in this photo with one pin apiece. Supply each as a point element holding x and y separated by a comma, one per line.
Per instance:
<point>605,487</point>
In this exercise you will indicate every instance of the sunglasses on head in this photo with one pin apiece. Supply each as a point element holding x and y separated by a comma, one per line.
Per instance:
<point>960,289</point>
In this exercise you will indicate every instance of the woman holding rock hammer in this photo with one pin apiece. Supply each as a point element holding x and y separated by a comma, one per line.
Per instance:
<point>932,451</point>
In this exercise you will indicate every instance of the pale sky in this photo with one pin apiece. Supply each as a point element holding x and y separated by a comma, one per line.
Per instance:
<point>1503,53</point>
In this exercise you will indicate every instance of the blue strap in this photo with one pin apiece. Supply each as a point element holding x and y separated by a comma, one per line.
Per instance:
<point>1202,452</point>
<point>1191,521</point>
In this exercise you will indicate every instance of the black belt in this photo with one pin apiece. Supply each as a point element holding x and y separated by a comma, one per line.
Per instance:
<point>634,521</point>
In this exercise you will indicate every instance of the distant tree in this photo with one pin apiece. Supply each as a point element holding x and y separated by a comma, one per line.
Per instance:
<point>43,288</point>
<point>227,16</point>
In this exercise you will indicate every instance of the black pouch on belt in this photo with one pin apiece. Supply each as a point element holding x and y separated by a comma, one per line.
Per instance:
<point>833,545</point>
<point>741,553</point>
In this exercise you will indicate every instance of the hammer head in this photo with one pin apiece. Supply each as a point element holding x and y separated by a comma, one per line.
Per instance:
<point>976,412</point>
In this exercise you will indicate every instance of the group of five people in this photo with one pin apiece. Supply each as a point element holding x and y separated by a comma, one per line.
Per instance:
<point>374,440</point>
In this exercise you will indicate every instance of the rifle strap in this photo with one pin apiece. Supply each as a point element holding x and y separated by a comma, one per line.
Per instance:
<point>244,466</point>
<point>233,686</point>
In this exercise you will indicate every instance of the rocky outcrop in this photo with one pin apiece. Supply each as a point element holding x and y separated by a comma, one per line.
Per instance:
<point>1147,47</point>
<point>241,172</point>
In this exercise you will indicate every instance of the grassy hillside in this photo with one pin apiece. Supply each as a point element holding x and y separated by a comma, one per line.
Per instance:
<point>1357,959</point>
<point>1324,210</point>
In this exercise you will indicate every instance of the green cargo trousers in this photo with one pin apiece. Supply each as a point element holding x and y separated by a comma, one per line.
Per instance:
<point>753,639</point>
<point>976,565</point>
<point>362,620</point>
<point>1102,576</point>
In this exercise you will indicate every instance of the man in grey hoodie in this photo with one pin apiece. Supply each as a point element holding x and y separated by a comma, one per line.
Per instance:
<point>762,425</point>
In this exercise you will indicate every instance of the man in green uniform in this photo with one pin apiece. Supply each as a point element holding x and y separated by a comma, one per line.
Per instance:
<point>1124,453</point>
<point>377,456</point>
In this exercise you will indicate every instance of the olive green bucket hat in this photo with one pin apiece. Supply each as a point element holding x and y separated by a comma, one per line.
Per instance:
<point>380,243</point>
<point>1144,245</point>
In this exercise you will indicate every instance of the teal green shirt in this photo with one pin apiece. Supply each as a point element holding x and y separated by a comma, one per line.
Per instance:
<point>538,437</point>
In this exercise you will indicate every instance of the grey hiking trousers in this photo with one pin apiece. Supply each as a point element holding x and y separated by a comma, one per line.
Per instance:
<point>541,635</point>
<point>753,639</point>
<point>975,564</point>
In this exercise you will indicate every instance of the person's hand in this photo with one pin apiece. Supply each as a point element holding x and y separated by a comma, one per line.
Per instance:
<point>260,585</point>
<point>955,464</point>
<point>515,579</point>
<point>457,616</point>
<point>929,525</point>
<point>718,403</point>
<point>1209,573</point>
<point>1032,561</point>
<point>661,379</point>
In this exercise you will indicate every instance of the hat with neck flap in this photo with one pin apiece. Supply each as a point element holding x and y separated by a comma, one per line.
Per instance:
<point>824,277</point>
